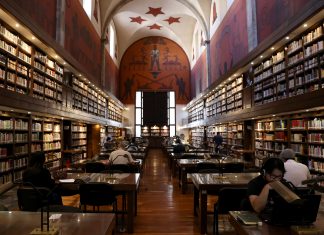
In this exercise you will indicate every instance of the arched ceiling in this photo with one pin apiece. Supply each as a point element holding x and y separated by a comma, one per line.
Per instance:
<point>173,19</point>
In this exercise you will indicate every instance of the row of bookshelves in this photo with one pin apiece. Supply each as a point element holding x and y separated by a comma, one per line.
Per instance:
<point>295,68</point>
<point>147,131</point>
<point>26,69</point>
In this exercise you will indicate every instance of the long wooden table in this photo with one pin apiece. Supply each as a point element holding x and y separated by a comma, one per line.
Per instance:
<point>126,182</point>
<point>267,229</point>
<point>205,183</point>
<point>22,223</point>
<point>189,166</point>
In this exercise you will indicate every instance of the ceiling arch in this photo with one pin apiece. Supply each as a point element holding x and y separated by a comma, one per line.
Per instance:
<point>173,19</point>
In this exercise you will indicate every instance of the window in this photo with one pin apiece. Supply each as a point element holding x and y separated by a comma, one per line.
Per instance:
<point>87,6</point>
<point>112,41</point>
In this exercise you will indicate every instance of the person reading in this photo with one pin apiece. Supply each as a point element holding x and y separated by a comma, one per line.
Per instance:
<point>120,156</point>
<point>39,176</point>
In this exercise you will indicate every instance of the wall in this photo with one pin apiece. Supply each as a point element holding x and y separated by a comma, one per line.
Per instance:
<point>229,44</point>
<point>43,13</point>
<point>82,40</point>
<point>199,75</point>
<point>169,71</point>
<point>272,14</point>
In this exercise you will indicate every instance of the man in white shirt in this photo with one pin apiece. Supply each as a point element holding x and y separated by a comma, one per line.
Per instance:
<point>120,156</point>
<point>295,172</point>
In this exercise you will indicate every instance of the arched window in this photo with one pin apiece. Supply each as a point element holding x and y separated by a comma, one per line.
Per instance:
<point>87,6</point>
<point>112,41</point>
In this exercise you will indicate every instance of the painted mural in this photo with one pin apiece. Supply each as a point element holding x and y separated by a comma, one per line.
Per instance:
<point>272,14</point>
<point>43,13</point>
<point>111,76</point>
<point>82,40</point>
<point>230,41</point>
<point>199,75</point>
<point>154,63</point>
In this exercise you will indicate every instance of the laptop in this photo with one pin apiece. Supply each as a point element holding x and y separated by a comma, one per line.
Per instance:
<point>246,217</point>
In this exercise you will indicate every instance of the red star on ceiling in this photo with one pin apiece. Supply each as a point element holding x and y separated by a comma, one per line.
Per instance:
<point>172,20</point>
<point>155,11</point>
<point>137,19</point>
<point>154,26</point>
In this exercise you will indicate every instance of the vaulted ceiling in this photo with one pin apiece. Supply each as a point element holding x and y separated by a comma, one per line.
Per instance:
<point>173,19</point>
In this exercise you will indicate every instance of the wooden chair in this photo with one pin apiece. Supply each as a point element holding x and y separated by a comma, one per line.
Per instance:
<point>229,199</point>
<point>94,167</point>
<point>96,195</point>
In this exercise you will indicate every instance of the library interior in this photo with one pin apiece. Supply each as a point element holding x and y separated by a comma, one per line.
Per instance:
<point>161,117</point>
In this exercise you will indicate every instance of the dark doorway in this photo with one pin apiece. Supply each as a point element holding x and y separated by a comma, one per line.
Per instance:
<point>155,108</point>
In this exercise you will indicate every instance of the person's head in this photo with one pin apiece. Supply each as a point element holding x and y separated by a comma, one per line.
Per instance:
<point>133,140</point>
<point>36,160</point>
<point>287,154</point>
<point>108,138</point>
<point>218,133</point>
<point>273,169</point>
<point>178,141</point>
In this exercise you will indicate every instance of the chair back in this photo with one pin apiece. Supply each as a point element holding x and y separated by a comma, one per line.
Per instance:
<point>230,199</point>
<point>207,167</point>
<point>233,167</point>
<point>96,194</point>
<point>94,167</point>
<point>123,168</point>
<point>31,198</point>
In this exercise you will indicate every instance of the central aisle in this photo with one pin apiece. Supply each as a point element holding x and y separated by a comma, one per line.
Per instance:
<point>162,208</point>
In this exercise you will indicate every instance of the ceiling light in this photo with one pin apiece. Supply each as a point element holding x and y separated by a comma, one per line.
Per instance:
<point>272,48</point>
<point>29,112</point>
<point>56,56</point>
<point>64,62</point>
<point>17,25</point>
<point>273,115</point>
<point>33,38</point>
<point>252,62</point>
<point>287,37</point>
<point>305,25</point>
<point>80,75</point>
<point>261,56</point>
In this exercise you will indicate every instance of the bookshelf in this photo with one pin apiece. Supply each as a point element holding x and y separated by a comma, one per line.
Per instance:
<point>87,99</point>
<point>27,70</point>
<point>22,135</point>
<point>197,136</point>
<point>196,112</point>
<point>114,111</point>
<point>147,131</point>
<point>225,98</point>
<point>295,69</point>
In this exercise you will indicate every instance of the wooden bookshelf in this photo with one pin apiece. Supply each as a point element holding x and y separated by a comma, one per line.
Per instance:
<point>27,70</point>
<point>295,69</point>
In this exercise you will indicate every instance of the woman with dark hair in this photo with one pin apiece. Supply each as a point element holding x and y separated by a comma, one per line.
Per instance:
<point>259,188</point>
<point>39,176</point>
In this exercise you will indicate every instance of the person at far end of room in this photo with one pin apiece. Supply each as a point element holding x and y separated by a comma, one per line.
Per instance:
<point>296,172</point>
<point>178,147</point>
<point>121,156</point>
<point>132,145</point>
<point>259,193</point>
<point>218,141</point>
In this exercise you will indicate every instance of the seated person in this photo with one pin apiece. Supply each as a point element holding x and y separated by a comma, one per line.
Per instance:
<point>178,147</point>
<point>295,172</point>
<point>120,156</point>
<point>109,144</point>
<point>259,190</point>
<point>39,176</point>
<point>133,145</point>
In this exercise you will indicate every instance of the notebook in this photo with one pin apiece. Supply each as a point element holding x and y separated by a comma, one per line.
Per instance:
<point>246,217</point>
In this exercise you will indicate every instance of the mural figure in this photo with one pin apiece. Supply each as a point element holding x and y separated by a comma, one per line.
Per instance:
<point>181,88</point>
<point>155,58</point>
<point>128,87</point>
